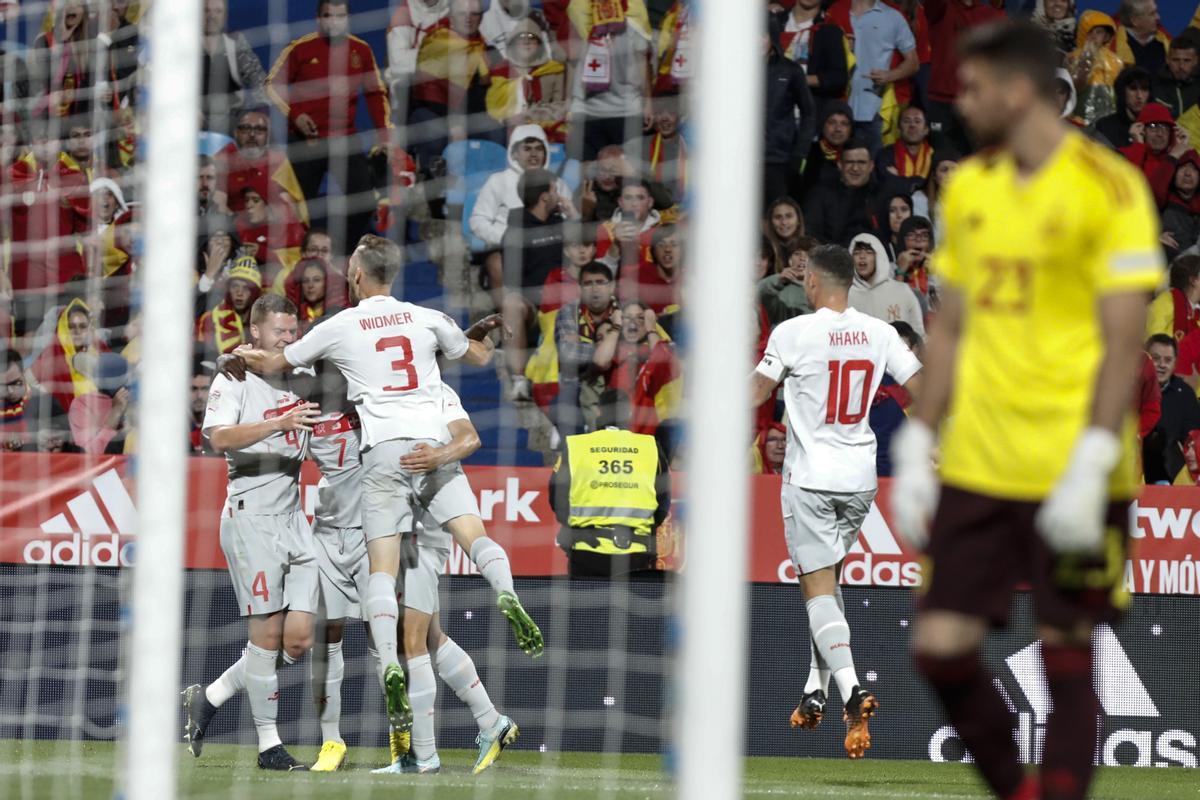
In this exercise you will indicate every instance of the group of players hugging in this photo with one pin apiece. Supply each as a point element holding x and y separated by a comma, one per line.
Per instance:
<point>361,394</point>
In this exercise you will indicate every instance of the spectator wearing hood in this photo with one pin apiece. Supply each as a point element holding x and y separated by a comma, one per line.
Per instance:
<point>1157,144</point>
<point>1181,215</point>
<point>1131,90</point>
<point>875,292</point>
<point>1057,18</point>
<point>790,118</point>
<point>818,45</point>
<point>501,18</point>
<point>834,130</point>
<point>1094,67</point>
<point>411,22</point>
<point>529,86</point>
<point>100,419</point>
<point>835,212</point>
<point>528,149</point>
<point>1064,88</point>
<point>948,21</point>
<point>1139,38</point>
<point>1177,85</point>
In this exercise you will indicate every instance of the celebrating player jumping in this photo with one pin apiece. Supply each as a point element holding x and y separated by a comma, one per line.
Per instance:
<point>831,363</point>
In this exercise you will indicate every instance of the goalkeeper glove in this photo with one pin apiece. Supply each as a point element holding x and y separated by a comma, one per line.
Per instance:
<point>915,486</point>
<point>1071,519</point>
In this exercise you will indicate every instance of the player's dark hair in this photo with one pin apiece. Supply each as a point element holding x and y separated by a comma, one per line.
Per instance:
<point>533,184</point>
<point>268,304</point>
<point>834,262</point>
<point>1014,46</point>
<point>1184,269</point>
<point>1166,340</point>
<point>613,410</point>
<point>596,268</point>
<point>379,259</point>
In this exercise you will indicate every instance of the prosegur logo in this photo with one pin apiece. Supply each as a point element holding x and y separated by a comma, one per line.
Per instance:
<point>1123,697</point>
<point>82,536</point>
<point>880,563</point>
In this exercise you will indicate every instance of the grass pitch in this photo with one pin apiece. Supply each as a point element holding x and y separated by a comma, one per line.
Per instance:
<point>46,770</point>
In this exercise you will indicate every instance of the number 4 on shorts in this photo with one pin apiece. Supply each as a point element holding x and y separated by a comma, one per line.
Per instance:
<point>258,587</point>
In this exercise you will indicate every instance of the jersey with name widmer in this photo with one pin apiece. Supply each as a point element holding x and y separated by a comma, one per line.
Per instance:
<point>265,476</point>
<point>1033,257</point>
<point>831,364</point>
<point>387,350</point>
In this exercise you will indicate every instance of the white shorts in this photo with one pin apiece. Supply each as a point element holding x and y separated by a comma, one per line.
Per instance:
<point>821,527</point>
<point>270,562</point>
<point>421,583</point>
<point>341,555</point>
<point>393,499</point>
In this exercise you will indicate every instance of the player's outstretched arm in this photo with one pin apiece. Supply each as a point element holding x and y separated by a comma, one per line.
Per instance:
<point>479,353</point>
<point>243,435</point>
<point>262,361</point>
<point>463,442</point>
<point>479,331</point>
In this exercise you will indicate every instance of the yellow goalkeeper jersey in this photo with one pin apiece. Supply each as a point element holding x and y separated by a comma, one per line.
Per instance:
<point>1032,257</point>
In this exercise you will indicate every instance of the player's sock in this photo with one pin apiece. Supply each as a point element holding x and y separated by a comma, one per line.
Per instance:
<point>331,714</point>
<point>492,562</point>
<point>457,669</point>
<point>382,613</point>
<point>285,660</point>
<point>818,673</point>
<point>230,683</point>
<point>1071,729</point>
<point>979,715</point>
<point>262,685</point>
<point>831,634</point>
<point>422,694</point>
<point>373,654</point>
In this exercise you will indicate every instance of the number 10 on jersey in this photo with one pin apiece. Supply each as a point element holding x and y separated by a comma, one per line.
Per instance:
<point>841,384</point>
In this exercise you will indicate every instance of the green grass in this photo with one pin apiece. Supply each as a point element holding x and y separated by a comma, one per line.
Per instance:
<point>41,770</point>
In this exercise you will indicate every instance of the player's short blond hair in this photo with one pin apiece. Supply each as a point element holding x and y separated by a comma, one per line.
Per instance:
<point>379,259</point>
<point>269,304</point>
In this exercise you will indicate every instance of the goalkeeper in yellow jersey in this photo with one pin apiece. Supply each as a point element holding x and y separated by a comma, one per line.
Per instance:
<point>1048,253</point>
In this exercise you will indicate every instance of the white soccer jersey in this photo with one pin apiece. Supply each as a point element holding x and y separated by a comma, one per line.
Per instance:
<point>387,350</point>
<point>264,477</point>
<point>831,365</point>
<point>335,447</point>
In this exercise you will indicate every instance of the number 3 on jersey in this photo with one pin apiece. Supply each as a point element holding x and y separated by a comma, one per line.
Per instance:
<point>841,384</point>
<point>403,365</point>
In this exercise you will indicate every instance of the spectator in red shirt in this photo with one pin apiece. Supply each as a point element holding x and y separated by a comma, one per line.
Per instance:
<point>1157,145</point>
<point>657,284</point>
<point>625,345</point>
<point>62,63</point>
<point>276,238</point>
<point>100,419</point>
<point>948,19</point>
<point>259,165</point>
<point>316,83</point>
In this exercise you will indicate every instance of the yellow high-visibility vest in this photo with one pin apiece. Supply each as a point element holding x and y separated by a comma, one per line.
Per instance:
<point>612,482</point>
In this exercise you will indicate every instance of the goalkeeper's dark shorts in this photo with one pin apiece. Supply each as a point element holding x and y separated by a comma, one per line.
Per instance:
<point>982,549</point>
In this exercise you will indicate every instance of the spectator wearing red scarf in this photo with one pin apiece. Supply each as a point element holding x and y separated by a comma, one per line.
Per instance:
<point>1174,312</point>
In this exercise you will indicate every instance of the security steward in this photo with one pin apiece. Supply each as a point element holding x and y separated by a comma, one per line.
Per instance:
<point>611,489</point>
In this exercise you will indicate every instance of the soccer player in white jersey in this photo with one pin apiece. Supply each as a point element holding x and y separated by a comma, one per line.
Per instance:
<point>422,631</point>
<point>831,363</point>
<point>262,428</point>
<point>387,350</point>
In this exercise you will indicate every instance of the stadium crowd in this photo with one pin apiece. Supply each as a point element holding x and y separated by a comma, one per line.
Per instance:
<point>551,137</point>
